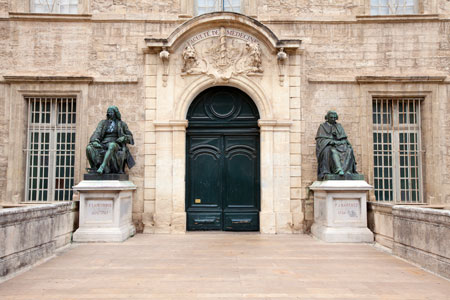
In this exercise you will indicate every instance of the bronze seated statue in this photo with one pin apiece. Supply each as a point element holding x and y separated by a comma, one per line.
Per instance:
<point>334,151</point>
<point>107,151</point>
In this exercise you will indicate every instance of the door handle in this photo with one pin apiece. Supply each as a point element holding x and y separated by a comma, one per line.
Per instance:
<point>205,221</point>
<point>241,221</point>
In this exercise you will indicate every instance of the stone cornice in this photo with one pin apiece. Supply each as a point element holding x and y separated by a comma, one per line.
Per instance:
<point>377,79</point>
<point>52,79</point>
<point>398,18</point>
<point>265,20</point>
<point>400,79</point>
<point>313,19</point>
<point>49,17</point>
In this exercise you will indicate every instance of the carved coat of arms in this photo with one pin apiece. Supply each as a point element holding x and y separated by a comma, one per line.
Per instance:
<point>222,57</point>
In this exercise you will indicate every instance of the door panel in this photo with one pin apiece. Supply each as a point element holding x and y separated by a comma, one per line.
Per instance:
<point>242,183</point>
<point>204,173</point>
<point>240,172</point>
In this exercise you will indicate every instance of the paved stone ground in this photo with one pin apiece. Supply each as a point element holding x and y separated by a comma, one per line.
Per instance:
<point>224,266</point>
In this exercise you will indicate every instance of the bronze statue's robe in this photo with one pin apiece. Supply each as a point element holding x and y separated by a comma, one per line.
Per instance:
<point>122,156</point>
<point>325,135</point>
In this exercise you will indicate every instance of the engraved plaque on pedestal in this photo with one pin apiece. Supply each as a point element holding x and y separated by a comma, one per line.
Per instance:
<point>99,211</point>
<point>347,210</point>
<point>105,211</point>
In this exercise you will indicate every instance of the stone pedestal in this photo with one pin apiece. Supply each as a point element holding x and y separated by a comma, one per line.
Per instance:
<point>105,211</point>
<point>340,212</point>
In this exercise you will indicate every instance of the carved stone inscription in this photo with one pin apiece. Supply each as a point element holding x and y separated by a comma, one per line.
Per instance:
<point>347,210</point>
<point>218,32</point>
<point>222,53</point>
<point>99,210</point>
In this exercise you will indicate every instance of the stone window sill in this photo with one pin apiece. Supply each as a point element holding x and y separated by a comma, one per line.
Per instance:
<point>47,17</point>
<point>398,18</point>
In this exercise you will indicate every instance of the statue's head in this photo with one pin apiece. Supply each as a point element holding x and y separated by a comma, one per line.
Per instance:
<point>331,117</point>
<point>113,113</point>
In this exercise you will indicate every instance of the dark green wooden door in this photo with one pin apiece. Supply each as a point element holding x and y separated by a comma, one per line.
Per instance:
<point>222,184</point>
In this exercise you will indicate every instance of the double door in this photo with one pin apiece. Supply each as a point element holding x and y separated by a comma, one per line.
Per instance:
<point>222,184</point>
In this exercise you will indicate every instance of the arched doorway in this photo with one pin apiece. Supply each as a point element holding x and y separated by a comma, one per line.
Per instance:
<point>222,161</point>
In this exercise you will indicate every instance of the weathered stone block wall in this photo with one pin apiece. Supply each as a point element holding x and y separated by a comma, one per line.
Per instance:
<point>31,233</point>
<point>294,8</point>
<point>372,48</point>
<point>422,235</point>
<point>4,7</point>
<point>137,7</point>
<point>444,7</point>
<point>263,8</point>
<point>380,222</point>
<point>116,51</point>
<point>45,48</point>
<point>445,144</point>
<point>297,208</point>
<point>4,135</point>
<point>128,97</point>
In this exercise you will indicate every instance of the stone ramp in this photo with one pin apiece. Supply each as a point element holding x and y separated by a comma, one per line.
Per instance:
<point>224,266</point>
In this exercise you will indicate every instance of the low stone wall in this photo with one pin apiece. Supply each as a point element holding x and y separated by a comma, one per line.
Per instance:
<point>418,234</point>
<point>422,235</point>
<point>380,222</point>
<point>31,233</point>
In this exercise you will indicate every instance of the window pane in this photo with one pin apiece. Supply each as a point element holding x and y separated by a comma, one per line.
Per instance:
<point>382,165</point>
<point>381,112</point>
<point>232,5</point>
<point>392,7</point>
<point>68,6</point>
<point>207,6</point>
<point>43,6</point>
<point>54,6</point>
<point>65,158</point>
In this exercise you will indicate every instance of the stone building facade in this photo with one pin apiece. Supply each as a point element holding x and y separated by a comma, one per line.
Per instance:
<point>295,59</point>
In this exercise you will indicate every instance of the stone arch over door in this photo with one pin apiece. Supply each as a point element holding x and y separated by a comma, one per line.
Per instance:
<point>171,86</point>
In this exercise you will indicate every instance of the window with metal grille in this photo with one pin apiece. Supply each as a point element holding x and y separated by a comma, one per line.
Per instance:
<point>207,6</point>
<point>393,7</point>
<point>54,6</point>
<point>50,148</point>
<point>397,150</point>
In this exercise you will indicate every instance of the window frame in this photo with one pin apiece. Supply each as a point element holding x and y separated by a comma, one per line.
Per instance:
<point>187,8</point>
<point>56,6</point>
<point>219,7</point>
<point>21,86</point>
<point>394,129</point>
<point>24,7</point>
<point>389,6</point>
<point>53,128</point>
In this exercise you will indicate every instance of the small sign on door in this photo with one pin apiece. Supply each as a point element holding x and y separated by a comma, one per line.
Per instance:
<point>198,201</point>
